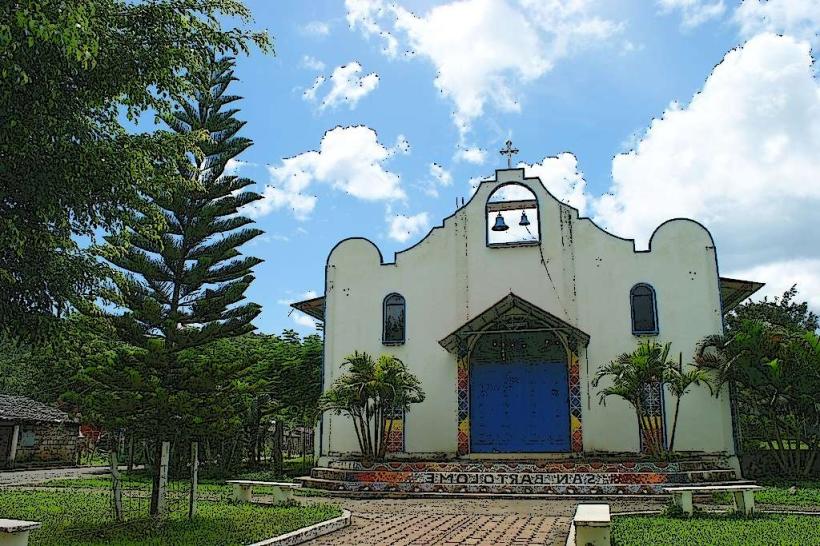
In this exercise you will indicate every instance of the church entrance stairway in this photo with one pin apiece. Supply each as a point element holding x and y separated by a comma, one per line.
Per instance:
<point>575,477</point>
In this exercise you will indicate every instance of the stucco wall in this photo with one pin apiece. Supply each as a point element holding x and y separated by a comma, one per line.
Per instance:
<point>451,276</point>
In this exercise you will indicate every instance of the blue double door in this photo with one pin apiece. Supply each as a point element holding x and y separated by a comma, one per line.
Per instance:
<point>519,407</point>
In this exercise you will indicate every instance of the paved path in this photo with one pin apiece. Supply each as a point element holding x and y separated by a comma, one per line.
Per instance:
<point>33,477</point>
<point>455,521</point>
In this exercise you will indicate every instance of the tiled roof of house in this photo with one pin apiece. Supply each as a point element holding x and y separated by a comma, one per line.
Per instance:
<point>25,410</point>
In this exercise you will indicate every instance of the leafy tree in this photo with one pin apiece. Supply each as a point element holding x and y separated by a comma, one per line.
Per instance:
<point>47,371</point>
<point>69,166</point>
<point>774,373</point>
<point>783,311</point>
<point>183,288</point>
<point>368,393</point>
<point>633,374</point>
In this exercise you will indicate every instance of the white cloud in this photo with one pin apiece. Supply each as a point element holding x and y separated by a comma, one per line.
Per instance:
<point>484,50</point>
<point>366,15</point>
<point>349,159</point>
<point>298,317</point>
<point>274,198</point>
<point>315,28</point>
<point>694,12</point>
<point>780,276</point>
<point>402,145</point>
<point>439,178</point>
<point>476,181</point>
<point>402,228</point>
<point>562,178</point>
<point>346,86</point>
<point>440,174</point>
<point>799,18</point>
<point>312,63</point>
<point>742,157</point>
<point>476,156</point>
<point>303,320</point>
<point>310,93</point>
<point>233,166</point>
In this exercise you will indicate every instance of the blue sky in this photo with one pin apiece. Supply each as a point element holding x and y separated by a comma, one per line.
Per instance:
<point>575,84</point>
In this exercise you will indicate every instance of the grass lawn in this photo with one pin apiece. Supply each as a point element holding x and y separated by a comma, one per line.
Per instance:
<point>709,529</point>
<point>777,493</point>
<point>73,520</point>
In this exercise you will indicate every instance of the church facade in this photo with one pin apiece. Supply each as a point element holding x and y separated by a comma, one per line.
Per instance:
<point>506,312</point>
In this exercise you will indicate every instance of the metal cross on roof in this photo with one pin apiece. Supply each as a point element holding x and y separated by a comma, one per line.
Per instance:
<point>509,151</point>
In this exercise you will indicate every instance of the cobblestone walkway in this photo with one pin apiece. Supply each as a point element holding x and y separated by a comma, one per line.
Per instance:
<point>445,521</point>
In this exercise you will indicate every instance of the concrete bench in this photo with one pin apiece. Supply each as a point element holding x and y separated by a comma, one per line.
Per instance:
<point>14,532</point>
<point>744,495</point>
<point>282,491</point>
<point>592,525</point>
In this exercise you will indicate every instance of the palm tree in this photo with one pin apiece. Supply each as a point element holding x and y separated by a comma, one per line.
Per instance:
<point>632,374</point>
<point>368,392</point>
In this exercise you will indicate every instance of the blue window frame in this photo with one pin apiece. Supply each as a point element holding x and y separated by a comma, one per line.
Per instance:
<point>394,320</point>
<point>644,308</point>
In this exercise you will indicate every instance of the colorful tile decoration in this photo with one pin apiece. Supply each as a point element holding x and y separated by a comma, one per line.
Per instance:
<point>575,404</point>
<point>463,393</point>
<point>570,476</point>
<point>463,388</point>
<point>652,402</point>
<point>395,442</point>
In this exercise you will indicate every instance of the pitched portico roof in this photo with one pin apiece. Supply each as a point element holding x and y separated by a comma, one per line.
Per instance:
<point>734,291</point>
<point>483,322</point>
<point>314,307</point>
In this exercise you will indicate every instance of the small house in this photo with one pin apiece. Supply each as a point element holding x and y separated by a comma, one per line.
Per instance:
<point>33,433</point>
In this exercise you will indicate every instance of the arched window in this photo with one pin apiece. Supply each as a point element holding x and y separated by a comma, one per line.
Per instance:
<point>394,328</point>
<point>644,309</point>
<point>512,216</point>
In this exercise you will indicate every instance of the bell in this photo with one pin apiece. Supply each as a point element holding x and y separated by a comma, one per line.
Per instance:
<point>524,220</point>
<point>499,224</point>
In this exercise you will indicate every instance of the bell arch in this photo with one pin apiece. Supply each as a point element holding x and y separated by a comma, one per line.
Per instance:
<point>512,216</point>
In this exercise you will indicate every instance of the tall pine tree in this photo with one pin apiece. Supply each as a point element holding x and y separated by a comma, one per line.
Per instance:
<point>181,280</point>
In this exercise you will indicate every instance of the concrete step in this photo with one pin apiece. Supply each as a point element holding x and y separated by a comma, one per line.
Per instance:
<point>411,490</point>
<point>534,483</point>
<point>553,466</point>
<point>528,476</point>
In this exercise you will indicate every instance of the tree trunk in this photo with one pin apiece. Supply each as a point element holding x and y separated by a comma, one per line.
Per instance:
<point>674,426</point>
<point>157,508</point>
<point>130,453</point>
<point>278,462</point>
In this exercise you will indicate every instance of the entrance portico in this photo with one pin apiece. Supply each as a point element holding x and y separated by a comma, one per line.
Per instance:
<point>518,381</point>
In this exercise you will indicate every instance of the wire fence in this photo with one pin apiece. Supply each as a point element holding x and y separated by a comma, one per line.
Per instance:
<point>131,492</point>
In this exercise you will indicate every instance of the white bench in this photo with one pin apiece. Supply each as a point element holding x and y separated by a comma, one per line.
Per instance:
<point>591,525</point>
<point>14,532</point>
<point>282,491</point>
<point>744,495</point>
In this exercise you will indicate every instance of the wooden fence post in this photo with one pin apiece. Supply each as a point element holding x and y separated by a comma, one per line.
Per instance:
<point>194,477</point>
<point>162,505</point>
<point>116,483</point>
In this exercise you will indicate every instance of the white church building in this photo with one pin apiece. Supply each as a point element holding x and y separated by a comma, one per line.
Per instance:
<point>505,313</point>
